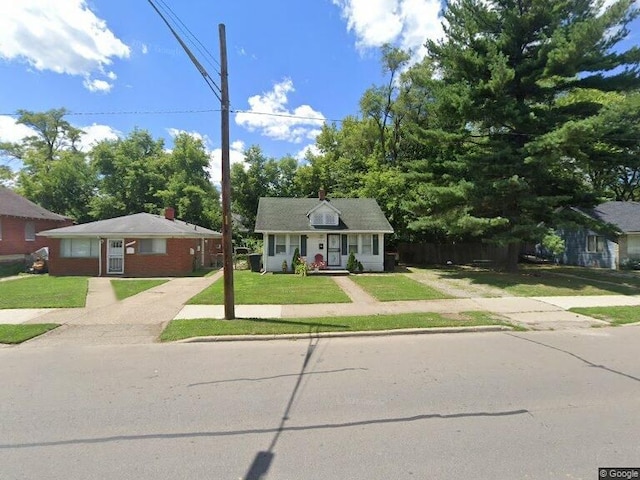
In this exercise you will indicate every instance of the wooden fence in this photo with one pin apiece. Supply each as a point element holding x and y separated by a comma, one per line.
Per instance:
<point>456,253</point>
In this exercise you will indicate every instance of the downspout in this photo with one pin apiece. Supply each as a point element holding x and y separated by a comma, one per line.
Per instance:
<point>100,242</point>
<point>202,252</point>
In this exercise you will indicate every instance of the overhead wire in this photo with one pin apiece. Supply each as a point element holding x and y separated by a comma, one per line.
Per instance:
<point>197,44</point>
<point>207,78</point>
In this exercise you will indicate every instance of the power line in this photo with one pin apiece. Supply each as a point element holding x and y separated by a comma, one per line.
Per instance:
<point>177,112</point>
<point>207,78</point>
<point>188,33</point>
<point>131,112</point>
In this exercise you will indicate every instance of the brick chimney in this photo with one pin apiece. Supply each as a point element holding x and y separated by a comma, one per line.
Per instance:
<point>321,194</point>
<point>169,213</point>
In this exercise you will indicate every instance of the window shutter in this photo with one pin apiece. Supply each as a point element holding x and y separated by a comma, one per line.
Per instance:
<point>271,240</point>
<point>344,245</point>
<point>376,245</point>
<point>303,245</point>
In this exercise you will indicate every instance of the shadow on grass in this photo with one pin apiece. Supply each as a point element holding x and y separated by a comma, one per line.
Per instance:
<point>290,322</point>
<point>535,277</point>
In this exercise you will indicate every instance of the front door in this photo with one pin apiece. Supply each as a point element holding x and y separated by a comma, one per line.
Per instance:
<point>333,250</point>
<point>115,256</point>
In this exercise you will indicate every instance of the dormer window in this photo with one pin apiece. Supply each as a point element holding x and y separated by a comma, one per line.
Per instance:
<point>324,218</point>
<point>324,214</point>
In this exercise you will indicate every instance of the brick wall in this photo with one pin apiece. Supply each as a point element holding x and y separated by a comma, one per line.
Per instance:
<point>177,261</point>
<point>69,266</point>
<point>13,241</point>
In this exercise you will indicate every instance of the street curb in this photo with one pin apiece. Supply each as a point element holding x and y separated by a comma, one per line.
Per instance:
<point>372,333</point>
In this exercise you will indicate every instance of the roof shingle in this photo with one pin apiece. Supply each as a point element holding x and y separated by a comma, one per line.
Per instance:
<point>14,205</point>
<point>624,215</point>
<point>290,215</point>
<point>136,225</point>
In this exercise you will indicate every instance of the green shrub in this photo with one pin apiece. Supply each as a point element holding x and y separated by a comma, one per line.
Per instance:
<point>302,269</point>
<point>352,263</point>
<point>295,260</point>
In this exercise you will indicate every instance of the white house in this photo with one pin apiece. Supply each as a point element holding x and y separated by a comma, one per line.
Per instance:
<point>324,228</point>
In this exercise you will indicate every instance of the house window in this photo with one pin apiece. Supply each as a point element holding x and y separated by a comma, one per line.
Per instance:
<point>595,244</point>
<point>148,246</point>
<point>367,244</point>
<point>326,218</point>
<point>281,244</point>
<point>29,231</point>
<point>79,247</point>
<point>353,244</point>
<point>294,242</point>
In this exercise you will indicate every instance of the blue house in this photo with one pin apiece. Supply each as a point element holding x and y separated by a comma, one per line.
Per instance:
<point>615,244</point>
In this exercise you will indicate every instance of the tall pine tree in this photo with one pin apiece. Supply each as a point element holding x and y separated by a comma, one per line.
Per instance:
<point>501,72</point>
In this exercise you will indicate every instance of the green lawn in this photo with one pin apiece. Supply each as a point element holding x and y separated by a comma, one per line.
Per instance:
<point>539,282</point>
<point>43,291</point>
<point>179,329</point>
<point>613,315</point>
<point>128,288</point>
<point>390,287</point>
<point>12,333</point>
<point>251,288</point>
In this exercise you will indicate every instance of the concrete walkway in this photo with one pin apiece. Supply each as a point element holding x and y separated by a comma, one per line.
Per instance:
<point>104,320</point>
<point>141,318</point>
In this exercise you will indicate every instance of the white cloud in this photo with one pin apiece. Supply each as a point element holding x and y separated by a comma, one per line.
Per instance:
<point>174,132</point>
<point>96,85</point>
<point>236,155</point>
<point>405,23</point>
<point>269,115</point>
<point>95,133</point>
<point>64,37</point>
<point>13,132</point>
<point>144,49</point>
<point>302,154</point>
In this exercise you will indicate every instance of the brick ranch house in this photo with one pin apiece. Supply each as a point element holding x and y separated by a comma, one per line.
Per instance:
<point>20,221</point>
<point>138,245</point>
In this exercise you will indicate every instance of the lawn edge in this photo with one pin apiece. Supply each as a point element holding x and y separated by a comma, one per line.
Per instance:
<point>365,333</point>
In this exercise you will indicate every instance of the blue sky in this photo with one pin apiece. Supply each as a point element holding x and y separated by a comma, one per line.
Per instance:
<point>312,58</point>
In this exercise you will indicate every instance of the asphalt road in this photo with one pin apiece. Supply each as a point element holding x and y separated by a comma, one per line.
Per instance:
<point>538,405</point>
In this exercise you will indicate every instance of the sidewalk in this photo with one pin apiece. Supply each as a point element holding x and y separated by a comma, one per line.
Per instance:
<point>141,318</point>
<point>105,320</point>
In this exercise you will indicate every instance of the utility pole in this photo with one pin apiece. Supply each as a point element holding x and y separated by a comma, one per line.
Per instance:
<point>227,243</point>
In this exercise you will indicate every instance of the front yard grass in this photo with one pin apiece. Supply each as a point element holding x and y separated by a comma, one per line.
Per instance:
<point>180,329</point>
<point>128,288</point>
<point>541,282</point>
<point>251,288</point>
<point>43,291</point>
<point>613,315</point>
<point>391,287</point>
<point>18,333</point>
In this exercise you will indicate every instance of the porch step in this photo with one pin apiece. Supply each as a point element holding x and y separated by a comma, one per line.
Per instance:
<point>328,271</point>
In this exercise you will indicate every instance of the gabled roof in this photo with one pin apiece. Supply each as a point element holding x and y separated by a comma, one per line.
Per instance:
<point>14,205</point>
<point>323,203</point>
<point>623,215</point>
<point>290,215</point>
<point>136,225</point>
